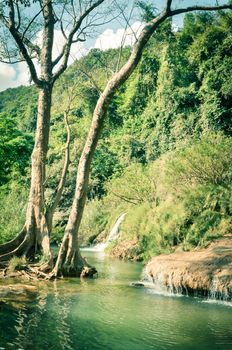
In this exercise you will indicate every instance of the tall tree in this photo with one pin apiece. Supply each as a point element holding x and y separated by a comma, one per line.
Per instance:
<point>69,260</point>
<point>18,43</point>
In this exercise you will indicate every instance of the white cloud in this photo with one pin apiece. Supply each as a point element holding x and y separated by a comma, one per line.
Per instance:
<point>18,74</point>
<point>13,75</point>
<point>125,37</point>
<point>7,76</point>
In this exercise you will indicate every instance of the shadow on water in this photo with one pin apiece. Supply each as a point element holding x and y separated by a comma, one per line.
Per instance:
<point>107,313</point>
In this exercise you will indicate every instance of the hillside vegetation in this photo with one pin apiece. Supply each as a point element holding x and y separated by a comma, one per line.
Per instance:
<point>166,150</point>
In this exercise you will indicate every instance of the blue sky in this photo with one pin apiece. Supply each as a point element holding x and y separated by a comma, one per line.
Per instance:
<point>108,35</point>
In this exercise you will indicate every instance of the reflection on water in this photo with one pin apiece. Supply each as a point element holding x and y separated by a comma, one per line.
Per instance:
<point>107,313</point>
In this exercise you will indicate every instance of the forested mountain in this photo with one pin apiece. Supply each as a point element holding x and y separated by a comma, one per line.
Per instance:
<point>166,150</point>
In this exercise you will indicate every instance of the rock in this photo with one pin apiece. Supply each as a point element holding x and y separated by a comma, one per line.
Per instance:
<point>16,289</point>
<point>205,272</point>
<point>137,284</point>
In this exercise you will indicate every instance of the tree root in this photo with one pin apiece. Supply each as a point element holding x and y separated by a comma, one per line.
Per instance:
<point>14,243</point>
<point>21,250</point>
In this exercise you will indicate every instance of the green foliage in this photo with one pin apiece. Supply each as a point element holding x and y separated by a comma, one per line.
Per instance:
<point>207,161</point>
<point>15,149</point>
<point>13,209</point>
<point>94,222</point>
<point>183,198</point>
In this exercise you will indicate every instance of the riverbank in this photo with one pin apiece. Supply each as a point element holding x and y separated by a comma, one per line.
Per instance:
<point>204,272</point>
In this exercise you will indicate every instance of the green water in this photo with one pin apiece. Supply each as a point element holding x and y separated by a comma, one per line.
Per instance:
<point>107,313</point>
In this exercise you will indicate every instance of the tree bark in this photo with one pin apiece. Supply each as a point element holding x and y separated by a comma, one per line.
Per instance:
<point>59,190</point>
<point>70,261</point>
<point>38,175</point>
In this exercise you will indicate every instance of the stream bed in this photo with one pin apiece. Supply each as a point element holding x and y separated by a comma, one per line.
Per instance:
<point>108,313</point>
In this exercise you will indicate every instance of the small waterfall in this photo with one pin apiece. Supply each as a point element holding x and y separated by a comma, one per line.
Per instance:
<point>156,286</point>
<point>164,284</point>
<point>114,233</point>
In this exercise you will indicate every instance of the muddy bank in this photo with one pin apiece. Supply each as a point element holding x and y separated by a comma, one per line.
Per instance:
<point>126,250</point>
<point>204,272</point>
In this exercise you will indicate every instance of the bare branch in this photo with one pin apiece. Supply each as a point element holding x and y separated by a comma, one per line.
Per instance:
<point>168,6</point>
<point>67,46</point>
<point>92,80</point>
<point>199,8</point>
<point>13,61</point>
<point>126,199</point>
<point>59,190</point>
<point>60,187</point>
<point>21,45</point>
<point>123,41</point>
<point>30,23</point>
<point>19,16</point>
<point>11,13</point>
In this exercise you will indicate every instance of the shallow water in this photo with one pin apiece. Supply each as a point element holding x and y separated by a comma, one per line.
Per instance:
<point>108,313</point>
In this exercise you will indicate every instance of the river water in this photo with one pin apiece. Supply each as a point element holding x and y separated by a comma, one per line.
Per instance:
<point>108,313</point>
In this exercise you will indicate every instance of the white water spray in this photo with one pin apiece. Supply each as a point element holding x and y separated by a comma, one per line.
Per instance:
<point>114,234</point>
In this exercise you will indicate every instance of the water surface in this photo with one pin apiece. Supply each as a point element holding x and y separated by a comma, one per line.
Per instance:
<point>108,313</point>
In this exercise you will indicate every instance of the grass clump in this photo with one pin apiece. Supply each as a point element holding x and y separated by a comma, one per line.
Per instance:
<point>16,264</point>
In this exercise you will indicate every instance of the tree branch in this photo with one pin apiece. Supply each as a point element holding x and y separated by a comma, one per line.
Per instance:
<point>92,80</point>
<point>168,6</point>
<point>26,56</point>
<point>21,43</point>
<point>67,46</point>
<point>126,199</point>
<point>199,8</point>
<point>60,187</point>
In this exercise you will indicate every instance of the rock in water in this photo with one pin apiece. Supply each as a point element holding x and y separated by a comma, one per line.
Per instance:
<point>206,272</point>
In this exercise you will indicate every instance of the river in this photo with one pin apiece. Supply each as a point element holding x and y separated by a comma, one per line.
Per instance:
<point>108,313</point>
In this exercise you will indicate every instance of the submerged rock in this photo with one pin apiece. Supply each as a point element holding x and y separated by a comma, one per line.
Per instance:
<point>137,284</point>
<point>205,272</point>
<point>12,290</point>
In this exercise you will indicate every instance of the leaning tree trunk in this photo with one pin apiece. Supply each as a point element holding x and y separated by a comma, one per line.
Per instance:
<point>34,236</point>
<point>70,261</point>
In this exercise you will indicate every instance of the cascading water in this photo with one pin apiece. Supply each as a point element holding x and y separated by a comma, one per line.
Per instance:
<point>156,285</point>
<point>114,233</point>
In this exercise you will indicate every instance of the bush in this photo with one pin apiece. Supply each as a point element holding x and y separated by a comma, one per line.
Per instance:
<point>13,210</point>
<point>183,198</point>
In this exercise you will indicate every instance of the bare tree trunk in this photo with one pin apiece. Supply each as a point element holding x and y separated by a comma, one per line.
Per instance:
<point>70,261</point>
<point>36,203</point>
<point>59,190</point>
<point>34,236</point>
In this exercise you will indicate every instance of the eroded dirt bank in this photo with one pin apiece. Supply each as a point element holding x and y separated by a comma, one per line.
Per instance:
<point>206,271</point>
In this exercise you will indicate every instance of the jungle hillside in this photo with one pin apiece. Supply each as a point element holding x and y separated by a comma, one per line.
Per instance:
<point>165,154</point>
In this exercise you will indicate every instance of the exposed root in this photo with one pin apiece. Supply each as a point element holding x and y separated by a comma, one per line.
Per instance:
<point>88,271</point>
<point>21,250</point>
<point>13,244</point>
<point>38,272</point>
